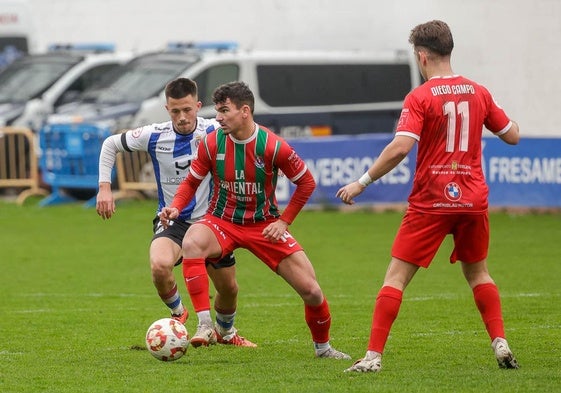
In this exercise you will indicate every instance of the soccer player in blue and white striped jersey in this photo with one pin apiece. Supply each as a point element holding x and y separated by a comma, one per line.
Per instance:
<point>172,146</point>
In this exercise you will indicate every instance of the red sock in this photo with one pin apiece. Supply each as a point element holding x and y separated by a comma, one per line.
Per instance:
<point>318,319</point>
<point>196,280</point>
<point>385,313</point>
<point>489,304</point>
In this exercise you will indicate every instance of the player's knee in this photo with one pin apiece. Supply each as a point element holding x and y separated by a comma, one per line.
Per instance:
<point>230,292</point>
<point>191,246</point>
<point>160,267</point>
<point>311,293</point>
<point>227,287</point>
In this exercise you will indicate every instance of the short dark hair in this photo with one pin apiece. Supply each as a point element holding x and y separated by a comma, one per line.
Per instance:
<point>434,36</point>
<point>238,92</point>
<point>181,87</point>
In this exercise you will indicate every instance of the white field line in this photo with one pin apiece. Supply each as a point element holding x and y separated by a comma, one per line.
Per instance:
<point>444,296</point>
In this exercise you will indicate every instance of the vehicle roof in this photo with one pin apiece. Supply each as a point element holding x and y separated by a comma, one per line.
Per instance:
<point>311,54</point>
<point>276,56</point>
<point>71,57</point>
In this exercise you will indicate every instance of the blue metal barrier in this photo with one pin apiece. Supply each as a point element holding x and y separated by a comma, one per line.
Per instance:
<point>69,159</point>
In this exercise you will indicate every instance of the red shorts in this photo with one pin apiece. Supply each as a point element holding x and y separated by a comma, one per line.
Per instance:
<point>249,236</point>
<point>421,234</point>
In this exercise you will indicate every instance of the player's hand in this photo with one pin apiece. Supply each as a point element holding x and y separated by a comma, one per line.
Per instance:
<point>167,214</point>
<point>275,231</point>
<point>348,192</point>
<point>105,203</point>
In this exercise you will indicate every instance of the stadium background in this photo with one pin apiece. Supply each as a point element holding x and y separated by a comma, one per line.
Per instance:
<point>75,305</point>
<point>512,46</point>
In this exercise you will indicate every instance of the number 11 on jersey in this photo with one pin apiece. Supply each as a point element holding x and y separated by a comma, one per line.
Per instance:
<point>451,110</point>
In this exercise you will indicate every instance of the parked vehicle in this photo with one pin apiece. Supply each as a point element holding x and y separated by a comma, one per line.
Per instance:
<point>34,86</point>
<point>297,93</point>
<point>304,93</point>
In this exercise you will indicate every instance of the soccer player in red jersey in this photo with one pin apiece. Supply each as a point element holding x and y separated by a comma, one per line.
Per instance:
<point>445,116</point>
<point>245,161</point>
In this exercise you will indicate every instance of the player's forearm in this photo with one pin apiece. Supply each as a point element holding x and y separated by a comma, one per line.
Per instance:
<point>107,156</point>
<point>304,188</point>
<point>390,157</point>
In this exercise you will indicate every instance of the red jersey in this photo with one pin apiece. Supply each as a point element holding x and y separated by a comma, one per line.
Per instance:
<point>244,176</point>
<point>446,116</point>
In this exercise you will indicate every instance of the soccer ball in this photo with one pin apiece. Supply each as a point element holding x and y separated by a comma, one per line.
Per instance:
<point>167,339</point>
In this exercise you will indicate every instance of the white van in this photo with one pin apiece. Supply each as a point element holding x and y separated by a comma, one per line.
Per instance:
<point>33,86</point>
<point>317,93</point>
<point>298,93</point>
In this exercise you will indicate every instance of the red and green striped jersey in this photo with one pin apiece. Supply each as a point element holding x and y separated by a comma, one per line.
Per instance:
<point>244,173</point>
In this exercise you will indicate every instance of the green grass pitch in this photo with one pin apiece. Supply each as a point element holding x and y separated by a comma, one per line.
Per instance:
<point>77,298</point>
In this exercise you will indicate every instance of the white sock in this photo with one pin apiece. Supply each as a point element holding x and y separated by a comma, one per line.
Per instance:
<point>204,318</point>
<point>321,348</point>
<point>225,322</point>
<point>372,355</point>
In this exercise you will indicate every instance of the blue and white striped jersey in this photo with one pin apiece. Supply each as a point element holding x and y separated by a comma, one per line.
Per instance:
<point>172,154</point>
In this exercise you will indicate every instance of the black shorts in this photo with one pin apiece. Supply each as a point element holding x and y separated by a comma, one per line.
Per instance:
<point>176,231</point>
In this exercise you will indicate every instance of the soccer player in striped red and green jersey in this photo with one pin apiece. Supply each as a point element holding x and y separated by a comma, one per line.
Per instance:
<point>245,161</point>
<point>172,145</point>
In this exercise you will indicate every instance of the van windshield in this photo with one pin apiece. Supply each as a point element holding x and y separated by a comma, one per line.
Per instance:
<point>28,78</point>
<point>135,82</point>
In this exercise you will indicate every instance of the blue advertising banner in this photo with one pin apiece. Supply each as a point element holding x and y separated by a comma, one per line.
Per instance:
<point>525,175</point>
<point>336,161</point>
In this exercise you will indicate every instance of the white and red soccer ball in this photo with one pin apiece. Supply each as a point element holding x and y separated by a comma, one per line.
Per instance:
<point>167,339</point>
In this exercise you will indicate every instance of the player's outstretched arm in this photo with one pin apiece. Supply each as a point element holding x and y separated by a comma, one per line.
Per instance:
<point>105,203</point>
<point>390,157</point>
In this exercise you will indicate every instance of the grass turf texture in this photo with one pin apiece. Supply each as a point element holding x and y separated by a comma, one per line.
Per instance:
<point>77,299</point>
